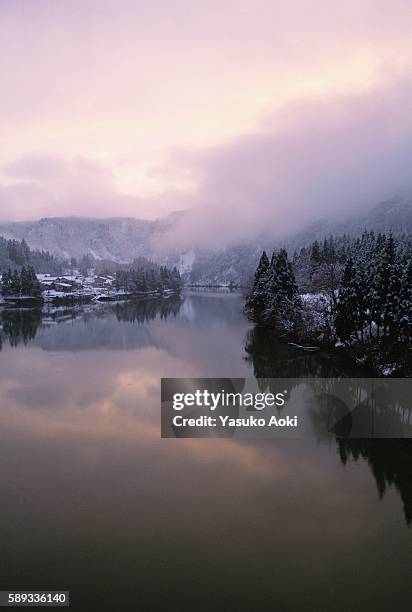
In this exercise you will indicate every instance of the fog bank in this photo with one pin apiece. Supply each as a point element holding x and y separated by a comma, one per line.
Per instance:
<point>314,159</point>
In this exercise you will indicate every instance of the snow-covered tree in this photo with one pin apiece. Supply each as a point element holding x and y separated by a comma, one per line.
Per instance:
<point>15,285</point>
<point>6,283</point>
<point>257,298</point>
<point>346,322</point>
<point>405,302</point>
<point>274,296</point>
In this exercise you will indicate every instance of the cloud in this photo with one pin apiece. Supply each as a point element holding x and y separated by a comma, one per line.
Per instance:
<point>324,157</point>
<point>95,96</point>
<point>122,83</point>
<point>41,186</point>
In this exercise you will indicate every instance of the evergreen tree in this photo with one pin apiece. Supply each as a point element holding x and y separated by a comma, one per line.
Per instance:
<point>282,303</point>
<point>346,319</point>
<point>383,297</point>
<point>315,254</point>
<point>405,302</point>
<point>34,285</point>
<point>6,283</point>
<point>143,281</point>
<point>258,296</point>
<point>366,284</point>
<point>25,282</point>
<point>315,258</point>
<point>360,288</point>
<point>15,285</point>
<point>282,283</point>
<point>175,279</point>
<point>149,278</point>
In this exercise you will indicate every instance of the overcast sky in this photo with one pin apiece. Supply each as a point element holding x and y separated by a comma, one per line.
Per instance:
<point>239,109</point>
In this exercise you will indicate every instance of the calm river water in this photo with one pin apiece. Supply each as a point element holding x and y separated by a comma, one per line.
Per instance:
<point>93,501</point>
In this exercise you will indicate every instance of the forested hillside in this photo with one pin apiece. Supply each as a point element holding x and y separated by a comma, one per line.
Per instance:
<point>148,277</point>
<point>360,297</point>
<point>114,243</point>
<point>15,254</point>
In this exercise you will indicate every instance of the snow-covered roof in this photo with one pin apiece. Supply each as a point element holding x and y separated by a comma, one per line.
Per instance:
<point>46,277</point>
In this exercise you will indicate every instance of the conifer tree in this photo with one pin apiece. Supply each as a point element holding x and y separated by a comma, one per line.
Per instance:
<point>282,283</point>
<point>283,303</point>
<point>405,302</point>
<point>34,285</point>
<point>150,278</point>
<point>15,285</point>
<point>346,308</point>
<point>25,282</point>
<point>175,279</point>
<point>383,302</point>
<point>257,298</point>
<point>6,284</point>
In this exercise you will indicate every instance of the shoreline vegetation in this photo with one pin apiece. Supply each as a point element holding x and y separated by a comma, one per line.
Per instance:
<point>147,280</point>
<point>349,297</point>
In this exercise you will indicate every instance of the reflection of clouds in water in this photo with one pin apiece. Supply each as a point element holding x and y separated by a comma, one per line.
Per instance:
<point>94,440</point>
<point>79,380</point>
<point>115,400</point>
<point>69,371</point>
<point>284,490</point>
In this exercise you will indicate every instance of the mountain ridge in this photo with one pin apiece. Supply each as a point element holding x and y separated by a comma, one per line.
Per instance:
<point>121,239</point>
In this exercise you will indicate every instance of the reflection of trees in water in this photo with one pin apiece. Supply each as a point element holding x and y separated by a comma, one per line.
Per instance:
<point>360,408</point>
<point>390,462</point>
<point>274,359</point>
<point>147,310</point>
<point>20,325</point>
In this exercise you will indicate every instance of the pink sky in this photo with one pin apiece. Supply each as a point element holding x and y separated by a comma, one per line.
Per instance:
<point>120,107</point>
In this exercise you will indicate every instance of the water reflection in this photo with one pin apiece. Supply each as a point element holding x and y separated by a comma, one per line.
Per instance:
<point>390,460</point>
<point>271,358</point>
<point>19,325</point>
<point>98,328</point>
<point>147,310</point>
<point>94,500</point>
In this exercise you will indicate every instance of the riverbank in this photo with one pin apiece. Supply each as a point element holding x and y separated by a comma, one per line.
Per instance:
<point>373,358</point>
<point>56,298</point>
<point>22,301</point>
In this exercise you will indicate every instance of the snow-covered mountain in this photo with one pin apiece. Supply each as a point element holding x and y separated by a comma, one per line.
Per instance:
<point>115,239</point>
<point>392,215</point>
<point>237,264</point>
<point>123,239</point>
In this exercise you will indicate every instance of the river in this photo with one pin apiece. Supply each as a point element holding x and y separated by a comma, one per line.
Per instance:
<point>95,502</point>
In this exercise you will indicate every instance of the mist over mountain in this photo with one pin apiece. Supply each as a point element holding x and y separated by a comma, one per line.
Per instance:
<point>117,239</point>
<point>122,239</point>
<point>237,264</point>
<point>393,215</point>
